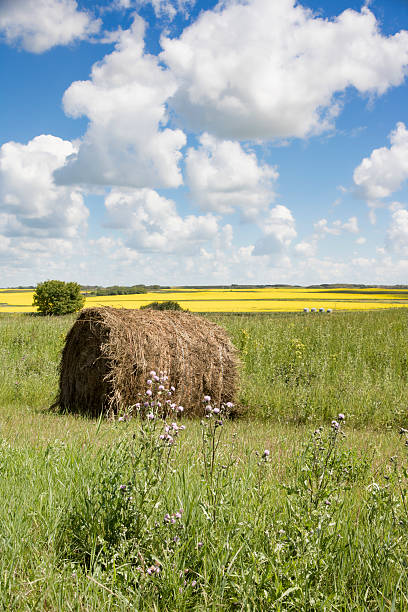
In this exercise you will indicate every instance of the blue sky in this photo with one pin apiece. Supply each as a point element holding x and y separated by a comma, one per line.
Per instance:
<point>202,142</point>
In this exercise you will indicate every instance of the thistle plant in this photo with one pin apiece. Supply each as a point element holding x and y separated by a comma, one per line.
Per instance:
<point>116,512</point>
<point>214,472</point>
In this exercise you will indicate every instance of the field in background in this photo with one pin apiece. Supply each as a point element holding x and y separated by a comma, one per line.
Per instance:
<point>236,300</point>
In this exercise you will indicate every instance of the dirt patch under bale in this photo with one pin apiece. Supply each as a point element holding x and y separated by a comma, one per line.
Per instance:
<point>109,352</point>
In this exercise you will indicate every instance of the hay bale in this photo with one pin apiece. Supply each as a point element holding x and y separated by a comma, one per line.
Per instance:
<point>109,352</point>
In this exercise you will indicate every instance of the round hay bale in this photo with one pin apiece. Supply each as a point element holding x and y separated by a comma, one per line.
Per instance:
<point>109,353</point>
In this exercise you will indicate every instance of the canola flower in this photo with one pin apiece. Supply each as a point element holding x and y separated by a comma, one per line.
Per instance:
<point>267,299</point>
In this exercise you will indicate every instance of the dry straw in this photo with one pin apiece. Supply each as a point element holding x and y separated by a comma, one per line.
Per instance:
<point>109,352</point>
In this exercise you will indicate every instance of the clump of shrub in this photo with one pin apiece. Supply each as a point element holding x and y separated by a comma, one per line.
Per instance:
<point>54,297</point>
<point>168,305</point>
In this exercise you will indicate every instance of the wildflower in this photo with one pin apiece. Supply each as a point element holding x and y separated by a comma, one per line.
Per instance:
<point>229,405</point>
<point>194,583</point>
<point>122,487</point>
<point>182,427</point>
<point>200,544</point>
<point>161,388</point>
<point>149,382</point>
<point>341,417</point>
<point>208,408</point>
<point>179,409</point>
<point>335,425</point>
<point>266,453</point>
<point>207,398</point>
<point>149,392</point>
<point>166,518</point>
<point>150,416</point>
<point>121,418</point>
<point>152,373</point>
<point>172,388</point>
<point>216,410</point>
<point>179,514</point>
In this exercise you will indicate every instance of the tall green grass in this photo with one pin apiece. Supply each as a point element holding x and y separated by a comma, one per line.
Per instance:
<point>296,368</point>
<point>90,511</point>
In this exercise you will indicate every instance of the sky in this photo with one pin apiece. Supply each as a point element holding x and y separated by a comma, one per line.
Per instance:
<point>183,142</point>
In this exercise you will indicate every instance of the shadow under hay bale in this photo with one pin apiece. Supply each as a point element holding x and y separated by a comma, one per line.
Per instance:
<point>109,353</point>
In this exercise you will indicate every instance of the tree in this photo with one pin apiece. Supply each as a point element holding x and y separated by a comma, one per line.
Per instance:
<point>55,297</point>
<point>169,305</point>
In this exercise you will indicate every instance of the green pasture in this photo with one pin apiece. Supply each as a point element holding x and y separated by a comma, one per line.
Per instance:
<point>91,511</point>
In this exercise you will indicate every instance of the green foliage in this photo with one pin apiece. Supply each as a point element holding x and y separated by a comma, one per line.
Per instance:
<point>168,305</point>
<point>119,290</point>
<point>55,297</point>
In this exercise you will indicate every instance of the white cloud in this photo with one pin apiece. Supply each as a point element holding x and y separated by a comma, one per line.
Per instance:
<point>30,203</point>
<point>127,142</point>
<point>306,249</point>
<point>152,224</point>
<point>167,8</point>
<point>397,233</point>
<point>39,25</point>
<point>361,240</point>
<point>384,172</point>
<point>223,177</point>
<point>279,231</point>
<point>271,70</point>
<point>322,227</point>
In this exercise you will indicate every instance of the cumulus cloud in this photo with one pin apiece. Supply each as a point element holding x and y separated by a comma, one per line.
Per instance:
<point>39,25</point>
<point>152,223</point>
<point>30,202</point>
<point>306,249</point>
<point>127,142</point>
<point>223,177</point>
<point>322,227</point>
<point>397,233</point>
<point>384,172</point>
<point>279,230</point>
<point>271,70</point>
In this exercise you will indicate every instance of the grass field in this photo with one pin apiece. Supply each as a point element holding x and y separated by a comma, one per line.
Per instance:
<point>236,300</point>
<point>91,511</point>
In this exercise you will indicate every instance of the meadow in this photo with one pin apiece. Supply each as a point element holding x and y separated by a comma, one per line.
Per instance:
<point>288,507</point>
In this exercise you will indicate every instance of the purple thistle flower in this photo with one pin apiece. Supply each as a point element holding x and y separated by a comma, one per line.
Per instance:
<point>207,398</point>
<point>149,392</point>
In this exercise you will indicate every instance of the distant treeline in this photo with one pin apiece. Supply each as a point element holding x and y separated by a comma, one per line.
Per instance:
<point>120,290</point>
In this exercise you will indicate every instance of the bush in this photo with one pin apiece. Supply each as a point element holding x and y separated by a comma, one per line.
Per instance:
<point>169,305</point>
<point>55,297</point>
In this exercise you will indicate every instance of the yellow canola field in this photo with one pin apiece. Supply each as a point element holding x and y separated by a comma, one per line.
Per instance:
<point>235,300</point>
